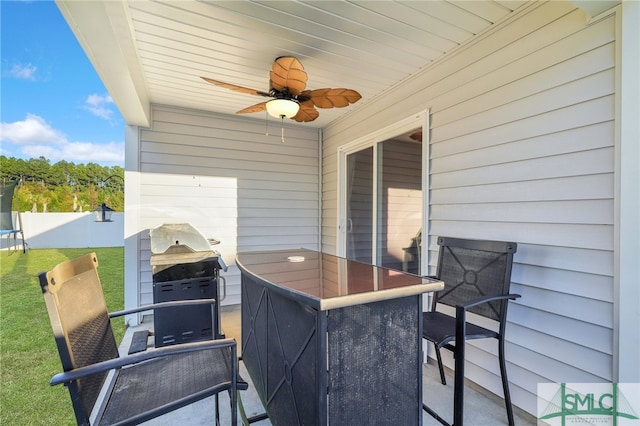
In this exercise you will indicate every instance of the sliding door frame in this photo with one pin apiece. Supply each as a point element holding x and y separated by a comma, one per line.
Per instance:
<point>420,120</point>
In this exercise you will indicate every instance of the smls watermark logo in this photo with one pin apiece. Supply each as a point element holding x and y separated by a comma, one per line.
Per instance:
<point>598,404</point>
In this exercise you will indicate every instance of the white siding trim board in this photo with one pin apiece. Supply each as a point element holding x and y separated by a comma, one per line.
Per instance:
<point>132,268</point>
<point>627,189</point>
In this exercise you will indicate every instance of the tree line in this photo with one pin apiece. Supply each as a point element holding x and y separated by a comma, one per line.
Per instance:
<point>63,186</point>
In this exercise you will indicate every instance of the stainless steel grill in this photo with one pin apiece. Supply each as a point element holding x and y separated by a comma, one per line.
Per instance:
<point>185,267</point>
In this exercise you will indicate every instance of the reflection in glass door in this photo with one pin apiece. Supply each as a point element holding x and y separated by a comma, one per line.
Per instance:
<point>399,205</point>
<point>384,204</point>
<point>360,205</point>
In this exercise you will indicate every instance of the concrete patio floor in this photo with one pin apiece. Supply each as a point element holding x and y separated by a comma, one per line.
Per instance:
<point>481,407</point>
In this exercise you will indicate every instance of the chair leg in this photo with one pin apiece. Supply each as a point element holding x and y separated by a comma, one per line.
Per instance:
<point>233,395</point>
<point>439,357</point>
<point>217,410</point>
<point>458,366</point>
<point>505,381</point>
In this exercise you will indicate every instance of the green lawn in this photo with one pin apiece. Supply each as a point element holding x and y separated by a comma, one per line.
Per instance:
<point>28,355</point>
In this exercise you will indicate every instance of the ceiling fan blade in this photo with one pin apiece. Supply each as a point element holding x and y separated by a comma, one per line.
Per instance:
<point>306,113</point>
<point>288,72</point>
<point>253,108</point>
<point>416,136</point>
<point>235,88</point>
<point>332,98</point>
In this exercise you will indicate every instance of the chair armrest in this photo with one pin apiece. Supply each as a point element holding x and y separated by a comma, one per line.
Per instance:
<point>162,305</point>
<point>78,373</point>
<point>487,299</point>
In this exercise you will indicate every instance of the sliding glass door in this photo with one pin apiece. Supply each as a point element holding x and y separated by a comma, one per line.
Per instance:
<point>384,203</point>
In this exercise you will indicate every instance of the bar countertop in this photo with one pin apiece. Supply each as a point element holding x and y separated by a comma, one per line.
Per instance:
<point>325,281</point>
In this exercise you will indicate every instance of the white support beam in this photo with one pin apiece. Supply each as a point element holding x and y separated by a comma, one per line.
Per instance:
<point>627,290</point>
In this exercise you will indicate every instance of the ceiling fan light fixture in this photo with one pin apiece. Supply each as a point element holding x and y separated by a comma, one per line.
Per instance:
<point>281,108</point>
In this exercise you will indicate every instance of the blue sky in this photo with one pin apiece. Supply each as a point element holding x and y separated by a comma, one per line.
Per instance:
<point>53,104</point>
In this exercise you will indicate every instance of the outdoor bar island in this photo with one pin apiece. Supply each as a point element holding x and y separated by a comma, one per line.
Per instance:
<point>327,340</point>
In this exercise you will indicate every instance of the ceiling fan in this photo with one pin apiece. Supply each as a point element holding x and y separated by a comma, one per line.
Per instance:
<point>287,84</point>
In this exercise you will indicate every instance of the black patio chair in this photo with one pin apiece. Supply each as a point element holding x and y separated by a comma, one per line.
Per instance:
<point>7,225</point>
<point>477,277</point>
<point>107,389</point>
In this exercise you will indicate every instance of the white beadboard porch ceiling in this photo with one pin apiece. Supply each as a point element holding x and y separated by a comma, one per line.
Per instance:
<point>156,51</point>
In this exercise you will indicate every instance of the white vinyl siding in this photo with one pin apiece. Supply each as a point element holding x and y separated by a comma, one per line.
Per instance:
<point>522,149</point>
<point>230,180</point>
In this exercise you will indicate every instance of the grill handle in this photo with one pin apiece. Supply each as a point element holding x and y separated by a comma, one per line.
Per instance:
<point>224,288</point>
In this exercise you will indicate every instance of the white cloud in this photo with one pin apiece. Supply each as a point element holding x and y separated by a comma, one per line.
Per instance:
<point>99,105</point>
<point>36,138</point>
<point>33,129</point>
<point>79,152</point>
<point>24,72</point>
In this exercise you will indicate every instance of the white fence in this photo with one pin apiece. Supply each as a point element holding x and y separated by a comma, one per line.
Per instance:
<point>70,230</point>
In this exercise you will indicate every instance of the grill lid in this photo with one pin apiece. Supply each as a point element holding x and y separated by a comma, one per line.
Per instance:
<point>177,237</point>
<point>180,243</point>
